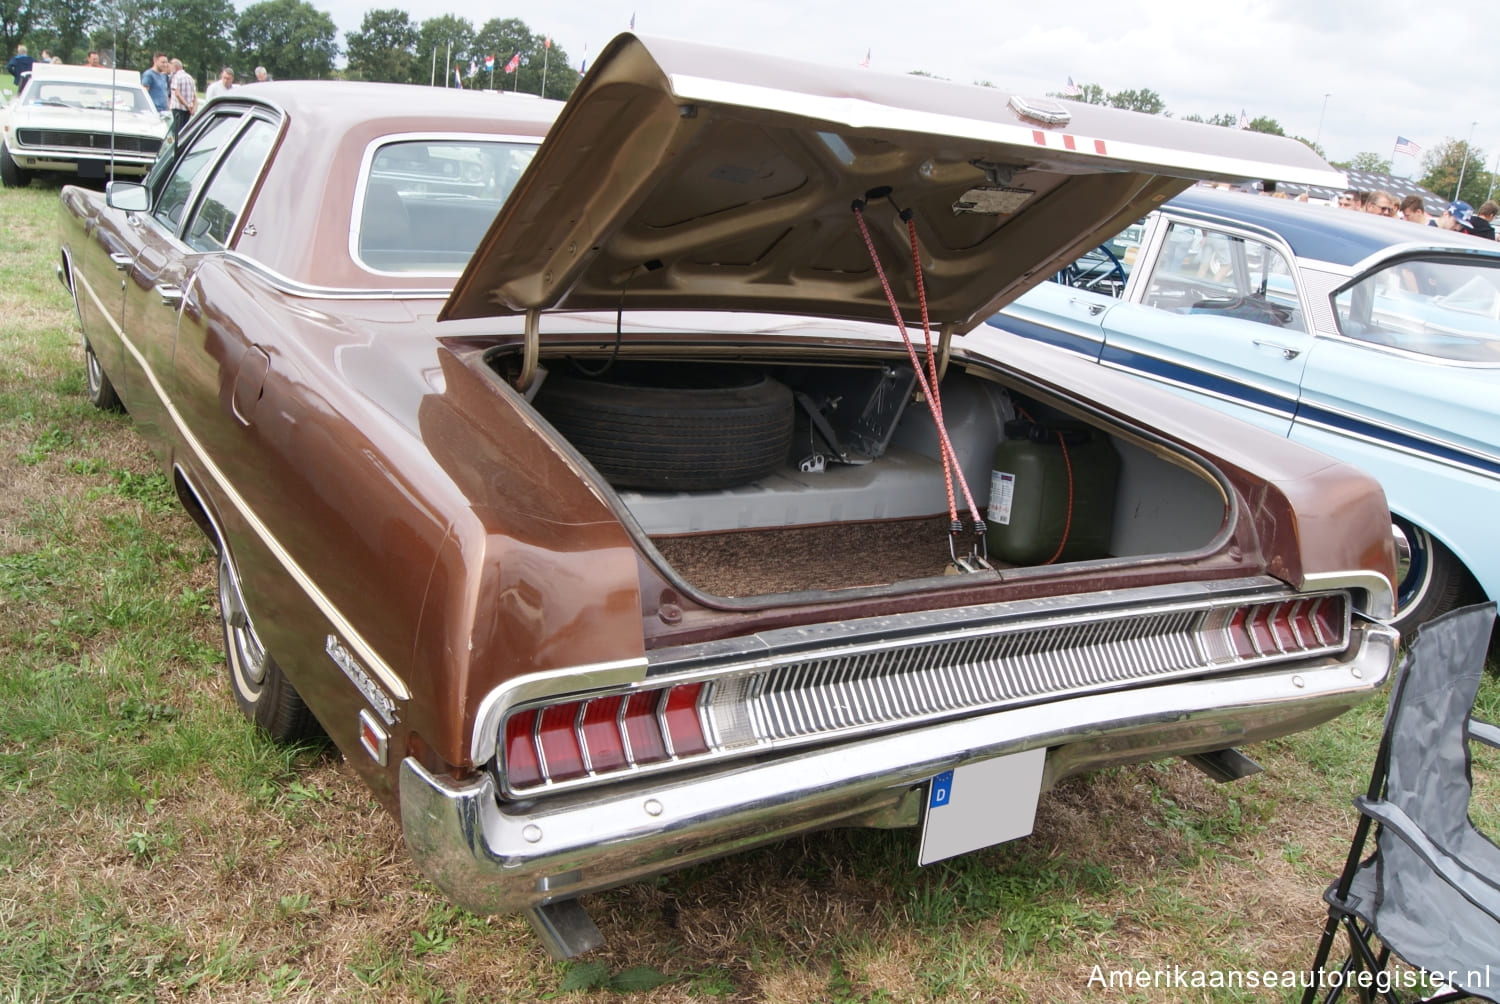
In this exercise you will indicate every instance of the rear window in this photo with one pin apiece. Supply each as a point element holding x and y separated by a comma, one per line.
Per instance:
<point>427,202</point>
<point>1448,308</point>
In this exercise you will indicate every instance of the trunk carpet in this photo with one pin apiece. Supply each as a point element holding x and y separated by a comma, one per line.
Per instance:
<point>832,556</point>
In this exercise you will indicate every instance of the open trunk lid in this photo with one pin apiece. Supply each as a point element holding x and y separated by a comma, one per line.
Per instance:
<point>684,176</point>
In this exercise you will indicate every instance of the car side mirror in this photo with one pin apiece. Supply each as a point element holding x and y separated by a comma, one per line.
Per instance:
<point>127,195</point>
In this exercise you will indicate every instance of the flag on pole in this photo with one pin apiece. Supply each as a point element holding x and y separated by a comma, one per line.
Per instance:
<point>1244,122</point>
<point>514,64</point>
<point>1072,90</point>
<point>866,61</point>
<point>473,69</point>
<point>1406,146</point>
<point>489,62</point>
<point>583,64</point>
<point>547,42</point>
<point>458,75</point>
<point>632,20</point>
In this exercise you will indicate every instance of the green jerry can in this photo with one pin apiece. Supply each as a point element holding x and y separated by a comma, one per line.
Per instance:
<point>1052,493</point>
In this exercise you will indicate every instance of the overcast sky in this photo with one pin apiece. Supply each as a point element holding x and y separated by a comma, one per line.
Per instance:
<point>1425,71</point>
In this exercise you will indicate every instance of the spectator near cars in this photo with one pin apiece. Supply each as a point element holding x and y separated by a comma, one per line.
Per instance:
<point>20,64</point>
<point>157,80</point>
<point>183,98</point>
<point>1482,223</point>
<point>221,84</point>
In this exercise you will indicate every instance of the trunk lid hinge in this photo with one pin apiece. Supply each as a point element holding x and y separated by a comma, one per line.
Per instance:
<point>531,351</point>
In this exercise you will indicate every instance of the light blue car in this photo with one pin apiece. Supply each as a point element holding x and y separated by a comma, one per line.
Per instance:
<point>1371,339</point>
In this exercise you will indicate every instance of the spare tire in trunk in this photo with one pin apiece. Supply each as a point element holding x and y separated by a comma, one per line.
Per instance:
<point>674,427</point>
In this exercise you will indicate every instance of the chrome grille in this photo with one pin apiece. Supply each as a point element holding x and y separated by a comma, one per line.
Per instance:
<point>96,142</point>
<point>896,685</point>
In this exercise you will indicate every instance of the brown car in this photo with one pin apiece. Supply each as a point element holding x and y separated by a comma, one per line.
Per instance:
<point>631,496</point>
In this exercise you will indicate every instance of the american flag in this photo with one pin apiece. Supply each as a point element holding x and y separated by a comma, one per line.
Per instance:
<point>1072,90</point>
<point>866,61</point>
<point>1244,122</point>
<point>1406,146</point>
<point>515,62</point>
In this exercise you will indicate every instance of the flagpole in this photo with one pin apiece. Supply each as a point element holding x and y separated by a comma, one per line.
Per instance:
<point>1465,163</point>
<point>545,52</point>
<point>447,58</point>
<point>433,81</point>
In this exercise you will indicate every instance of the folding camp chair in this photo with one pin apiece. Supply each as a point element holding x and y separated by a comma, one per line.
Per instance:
<point>1430,891</point>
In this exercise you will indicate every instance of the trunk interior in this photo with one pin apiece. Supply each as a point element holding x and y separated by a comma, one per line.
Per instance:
<point>757,478</point>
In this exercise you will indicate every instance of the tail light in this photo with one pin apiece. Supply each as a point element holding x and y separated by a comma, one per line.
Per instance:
<point>604,735</point>
<point>888,683</point>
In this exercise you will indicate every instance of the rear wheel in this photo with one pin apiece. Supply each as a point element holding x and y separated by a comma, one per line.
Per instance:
<point>261,689</point>
<point>1429,579</point>
<point>101,391</point>
<point>11,173</point>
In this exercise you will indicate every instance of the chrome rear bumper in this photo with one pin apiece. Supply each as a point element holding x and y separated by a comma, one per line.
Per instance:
<point>490,857</point>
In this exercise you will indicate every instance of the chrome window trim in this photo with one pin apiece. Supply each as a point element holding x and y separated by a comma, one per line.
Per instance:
<point>362,182</point>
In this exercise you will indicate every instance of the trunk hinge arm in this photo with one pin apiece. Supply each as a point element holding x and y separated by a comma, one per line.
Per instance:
<point>531,350</point>
<point>945,348</point>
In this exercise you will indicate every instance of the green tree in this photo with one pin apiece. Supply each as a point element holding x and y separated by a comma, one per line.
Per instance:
<point>505,38</point>
<point>196,32</point>
<point>1088,94</point>
<point>63,28</point>
<point>446,37</point>
<point>17,17</point>
<point>126,27</point>
<point>1367,161</point>
<point>1441,166</point>
<point>384,48</point>
<point>1144,100</point>
<point>290,38</point>
<point>1265,124</point>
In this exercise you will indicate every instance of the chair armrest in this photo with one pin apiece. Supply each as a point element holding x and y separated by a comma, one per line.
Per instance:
<point>1464,880</point>
<point>1484,732</point>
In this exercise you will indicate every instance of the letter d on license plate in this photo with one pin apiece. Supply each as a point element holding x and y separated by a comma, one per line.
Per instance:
<point>980,804</point>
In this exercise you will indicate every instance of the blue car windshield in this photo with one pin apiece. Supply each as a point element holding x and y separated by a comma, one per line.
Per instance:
<point>1448,308</point>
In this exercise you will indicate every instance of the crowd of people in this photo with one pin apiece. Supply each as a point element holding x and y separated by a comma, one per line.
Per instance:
<point>173,90</point>
<point>1458,216</point>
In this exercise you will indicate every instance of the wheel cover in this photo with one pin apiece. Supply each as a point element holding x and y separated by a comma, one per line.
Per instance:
<point>93,371</point>
<point>246,653</point>
<point>1413,563</point>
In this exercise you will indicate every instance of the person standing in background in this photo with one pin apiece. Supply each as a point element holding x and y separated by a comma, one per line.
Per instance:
<point>155,79</point>
<point>261,76</point>
<point>221,84</point>
<point>20,64</point>
<point>183,98</point>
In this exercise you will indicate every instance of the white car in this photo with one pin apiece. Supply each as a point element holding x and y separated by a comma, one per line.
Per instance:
<point>82,120</point>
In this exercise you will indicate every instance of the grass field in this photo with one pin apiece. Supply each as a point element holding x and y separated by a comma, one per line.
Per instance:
<point>153,847</point>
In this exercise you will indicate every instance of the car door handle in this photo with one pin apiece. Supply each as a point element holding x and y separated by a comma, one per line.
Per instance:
<point>170,295</point>
<point>122,261</point>
<point>1287,351</point>
<point>1094,309</point>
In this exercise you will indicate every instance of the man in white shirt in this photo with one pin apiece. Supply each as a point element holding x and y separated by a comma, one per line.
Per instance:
<point>222,84</point>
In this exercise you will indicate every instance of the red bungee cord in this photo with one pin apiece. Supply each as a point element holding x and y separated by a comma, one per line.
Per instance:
<point>929,386</point>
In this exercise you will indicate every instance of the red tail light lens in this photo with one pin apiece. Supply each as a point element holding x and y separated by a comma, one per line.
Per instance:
<point>642,728</point>
<point>606,734</point>
<point>600,726</point>
<point>521,760</point>
<point>561,754</point>
<point>683,726</point>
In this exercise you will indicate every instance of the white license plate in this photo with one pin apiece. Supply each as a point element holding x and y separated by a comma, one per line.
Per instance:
<point>981,804</point>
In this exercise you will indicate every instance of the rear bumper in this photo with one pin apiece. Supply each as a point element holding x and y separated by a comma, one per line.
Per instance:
<point>490,857</point>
